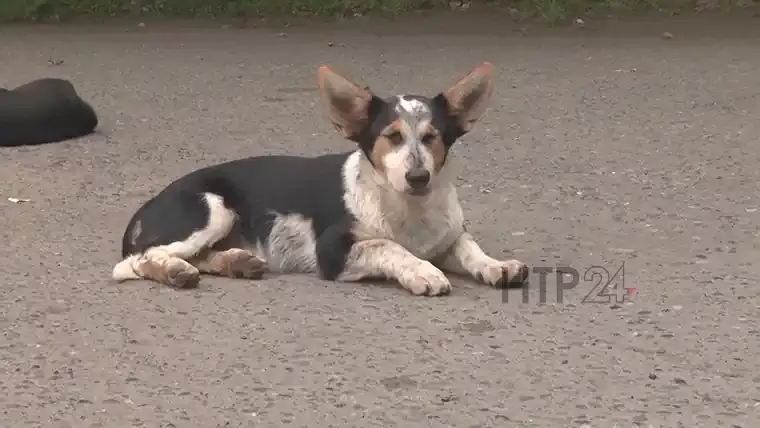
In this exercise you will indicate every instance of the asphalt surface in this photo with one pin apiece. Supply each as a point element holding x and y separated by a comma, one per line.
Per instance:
<point>604,146</point>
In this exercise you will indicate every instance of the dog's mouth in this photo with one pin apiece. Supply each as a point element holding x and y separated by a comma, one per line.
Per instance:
<point>419,192</point>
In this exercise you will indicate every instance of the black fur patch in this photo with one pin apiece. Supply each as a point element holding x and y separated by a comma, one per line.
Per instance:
<point>333,246</point>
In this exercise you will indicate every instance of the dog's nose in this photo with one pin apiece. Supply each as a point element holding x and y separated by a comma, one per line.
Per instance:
<point>418,178</point>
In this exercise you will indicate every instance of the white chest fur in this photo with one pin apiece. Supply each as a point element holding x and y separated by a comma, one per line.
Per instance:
<point>428,231</point>
<point>426,227</point>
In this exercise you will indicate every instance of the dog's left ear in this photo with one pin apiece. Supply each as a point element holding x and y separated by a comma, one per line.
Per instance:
<point>347,103</point>
<point>468,98</point>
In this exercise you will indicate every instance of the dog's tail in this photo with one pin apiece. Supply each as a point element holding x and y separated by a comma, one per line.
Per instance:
<point>125,270</point>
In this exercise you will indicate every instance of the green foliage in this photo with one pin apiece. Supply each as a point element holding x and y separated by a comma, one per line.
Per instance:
<point>25,10</point>
<point>552,11</point>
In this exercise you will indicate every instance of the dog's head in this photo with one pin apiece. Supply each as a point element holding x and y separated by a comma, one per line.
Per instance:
<point>406,138</point>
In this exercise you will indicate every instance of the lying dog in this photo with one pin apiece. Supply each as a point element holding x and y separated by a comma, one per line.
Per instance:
<point>43,111</point>
<point>387,210</point>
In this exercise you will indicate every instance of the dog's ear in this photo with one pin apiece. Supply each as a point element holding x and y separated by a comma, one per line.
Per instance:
<point>347,103</point>
<point>468,98</point>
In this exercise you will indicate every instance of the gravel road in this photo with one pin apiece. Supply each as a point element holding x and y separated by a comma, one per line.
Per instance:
<point>607,146</point>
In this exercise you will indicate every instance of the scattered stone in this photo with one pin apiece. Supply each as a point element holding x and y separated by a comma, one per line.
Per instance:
<point>623,250</point>
<point>447,398</point>
<point>667,35</point>
<point>398,382</point>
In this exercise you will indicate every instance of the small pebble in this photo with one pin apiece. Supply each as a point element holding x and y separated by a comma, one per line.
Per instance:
<point>447,398</point>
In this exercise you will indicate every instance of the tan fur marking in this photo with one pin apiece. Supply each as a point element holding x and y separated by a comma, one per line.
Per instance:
<point>383,145</point>
<point>438,149</point>
<point>233,263</point>
<point>171,271</point>
<point>469,96</point>
<point>149,269</point>
<point>345,101</point>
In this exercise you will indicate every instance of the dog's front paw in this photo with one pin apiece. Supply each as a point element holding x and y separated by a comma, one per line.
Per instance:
<point>510,273</point>
<point>426,280</point>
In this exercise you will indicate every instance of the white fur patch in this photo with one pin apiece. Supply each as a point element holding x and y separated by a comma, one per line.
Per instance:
<point>291,245</point>
<point>124,270</point>
<point>412,106</point>
<point>220,222</point>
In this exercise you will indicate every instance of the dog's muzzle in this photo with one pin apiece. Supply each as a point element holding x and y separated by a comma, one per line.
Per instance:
<point>418,179</point>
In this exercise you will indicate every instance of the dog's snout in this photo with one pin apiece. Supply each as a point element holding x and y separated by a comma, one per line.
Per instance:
<point>418,178</point>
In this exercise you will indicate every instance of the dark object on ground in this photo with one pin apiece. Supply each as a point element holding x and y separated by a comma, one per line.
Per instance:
<point>43,111</point>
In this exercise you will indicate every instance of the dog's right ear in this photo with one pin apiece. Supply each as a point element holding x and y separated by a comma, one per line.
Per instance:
<point>347,103</point>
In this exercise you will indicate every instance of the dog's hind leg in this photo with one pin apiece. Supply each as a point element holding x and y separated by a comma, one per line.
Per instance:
<point>203,220</point>
<point>158,266</point>
<point>233,263</point>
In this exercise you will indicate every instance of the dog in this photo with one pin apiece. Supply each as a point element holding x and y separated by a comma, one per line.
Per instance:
<point>386,210</point>
<point>44,111</point>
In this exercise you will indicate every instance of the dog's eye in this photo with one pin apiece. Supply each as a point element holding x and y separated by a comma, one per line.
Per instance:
<point>428,138</point>
<point>395,137</point>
